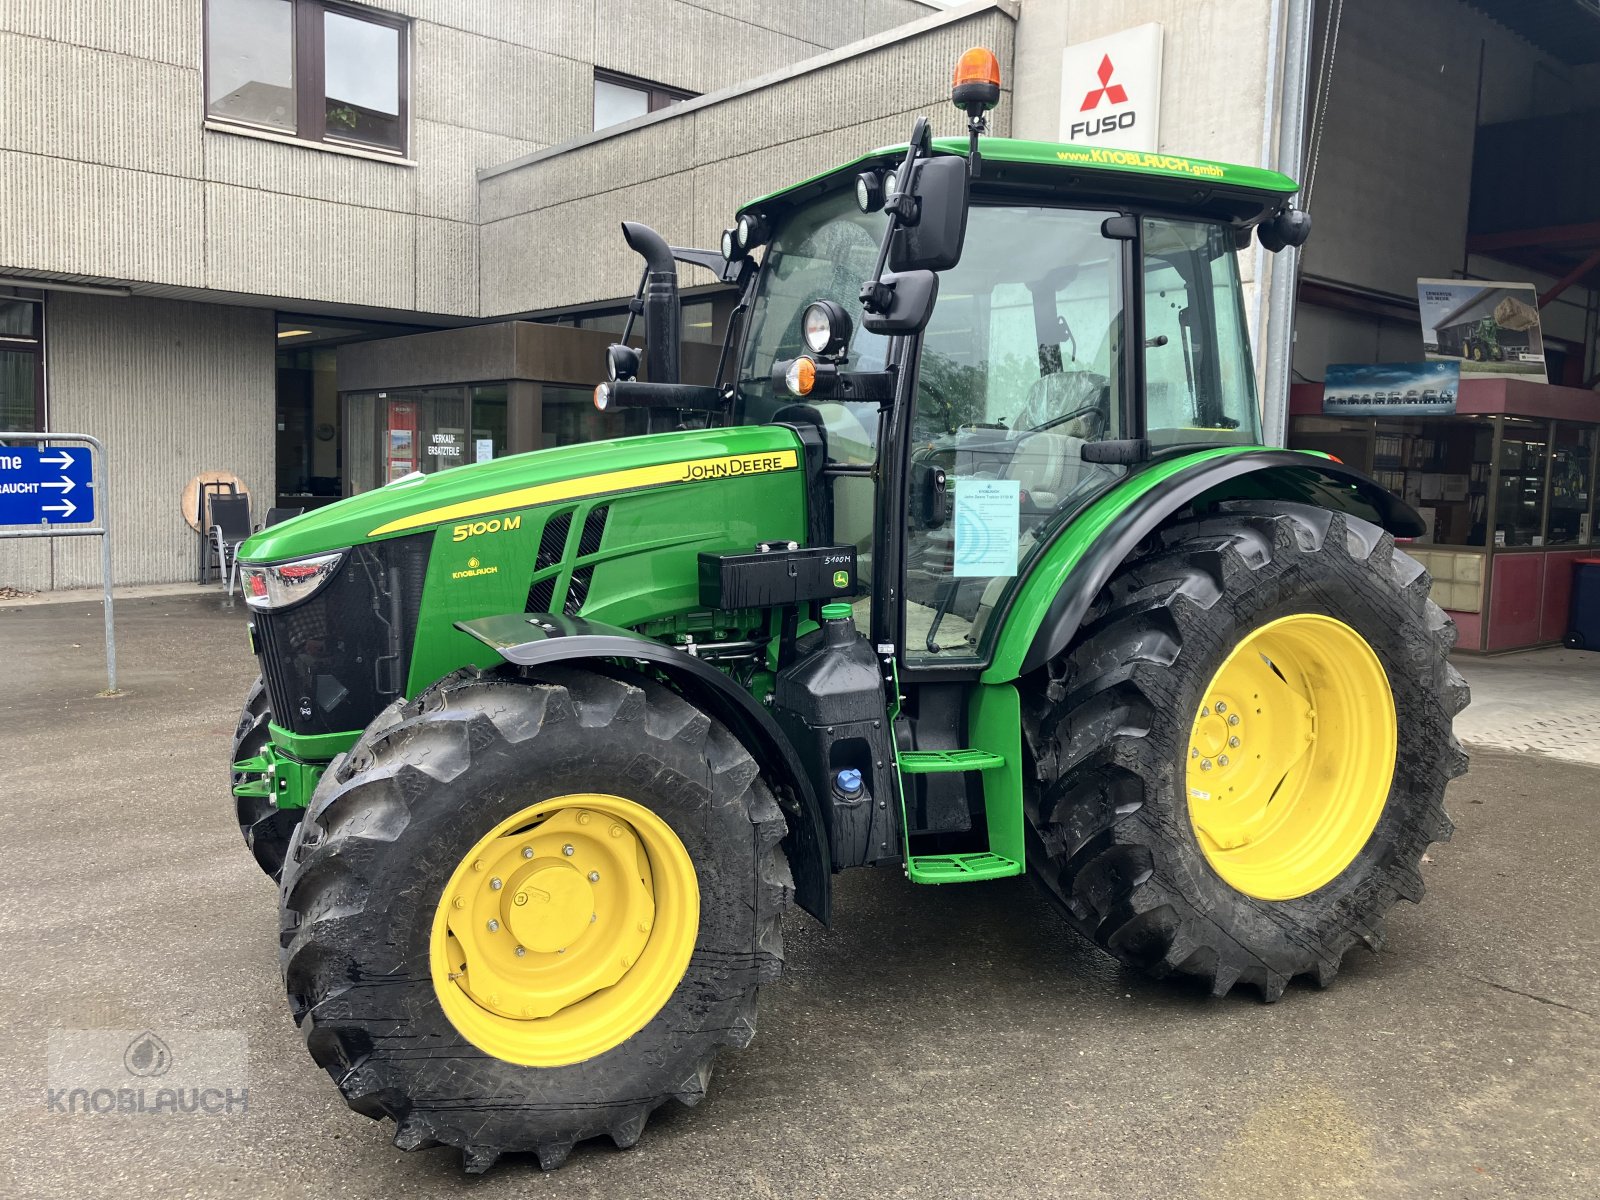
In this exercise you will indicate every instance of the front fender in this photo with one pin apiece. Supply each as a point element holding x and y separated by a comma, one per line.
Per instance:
<point>540,639</point>
<point>1049,604</point>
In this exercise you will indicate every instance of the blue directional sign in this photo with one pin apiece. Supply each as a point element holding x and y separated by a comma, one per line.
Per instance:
<point>46,483</point>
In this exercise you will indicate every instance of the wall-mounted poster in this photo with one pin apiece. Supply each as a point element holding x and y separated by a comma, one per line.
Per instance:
<point>1425,389</point>
<point>1488,328</point>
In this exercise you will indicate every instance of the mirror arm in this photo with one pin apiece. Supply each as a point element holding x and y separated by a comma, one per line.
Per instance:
<point>875,296</point>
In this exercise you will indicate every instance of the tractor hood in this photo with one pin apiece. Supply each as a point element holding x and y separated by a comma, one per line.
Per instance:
<point>522,481</point>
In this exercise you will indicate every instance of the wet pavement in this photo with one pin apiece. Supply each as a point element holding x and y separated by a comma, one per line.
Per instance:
<point>936,1042</point>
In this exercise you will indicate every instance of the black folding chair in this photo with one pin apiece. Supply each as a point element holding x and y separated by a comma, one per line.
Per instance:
<point>277,515</point>
<point>230,525</point>
<point>202,507</point>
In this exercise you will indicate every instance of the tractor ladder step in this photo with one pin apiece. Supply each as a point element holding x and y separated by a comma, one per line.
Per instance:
<point>938,762</point>
<point>960,868</point>
<point>955,868</point>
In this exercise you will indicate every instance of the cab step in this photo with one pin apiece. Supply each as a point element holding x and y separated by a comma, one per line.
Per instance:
<point>939,762</point>
<point>960,868</point>
<point>995,719</point>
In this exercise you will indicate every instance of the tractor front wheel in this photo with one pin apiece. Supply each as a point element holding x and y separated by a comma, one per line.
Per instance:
<point>1244,754</point>
<point>266,829</point>
<point>522,913</point>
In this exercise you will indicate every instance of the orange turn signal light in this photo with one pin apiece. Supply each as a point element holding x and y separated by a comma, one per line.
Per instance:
<point>978,65</point>
<point>801,376</point>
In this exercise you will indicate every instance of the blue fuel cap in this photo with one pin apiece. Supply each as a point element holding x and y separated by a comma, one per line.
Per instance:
<point>848,781</point>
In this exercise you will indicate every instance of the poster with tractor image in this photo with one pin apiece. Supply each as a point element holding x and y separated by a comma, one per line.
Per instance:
<point>1489,328</point>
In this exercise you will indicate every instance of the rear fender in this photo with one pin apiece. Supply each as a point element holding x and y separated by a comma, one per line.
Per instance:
<point>541,639</point>
<point>1051,602</point>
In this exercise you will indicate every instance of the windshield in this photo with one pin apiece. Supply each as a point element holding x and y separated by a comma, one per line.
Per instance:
<point>822,253</point>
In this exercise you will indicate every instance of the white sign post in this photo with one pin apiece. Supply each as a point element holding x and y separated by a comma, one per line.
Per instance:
<point>1111,90</point>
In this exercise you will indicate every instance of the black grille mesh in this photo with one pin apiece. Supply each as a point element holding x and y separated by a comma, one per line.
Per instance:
<point>540,595</point>
<point>333,661</point>
<point>553,541</point>
<point>594,530</point>
<point>579,591</point>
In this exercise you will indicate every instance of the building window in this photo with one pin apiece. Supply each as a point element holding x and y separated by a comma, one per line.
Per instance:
<point>321,72</point>
<point>21,361</point>
<point>619,98</point>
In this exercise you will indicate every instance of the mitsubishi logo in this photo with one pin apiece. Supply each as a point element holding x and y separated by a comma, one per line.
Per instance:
<point>1113,92</point>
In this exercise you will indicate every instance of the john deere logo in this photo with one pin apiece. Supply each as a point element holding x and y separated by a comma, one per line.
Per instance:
<point>147,1056</point>
<point>1113,92</point>
<point>841,579</point>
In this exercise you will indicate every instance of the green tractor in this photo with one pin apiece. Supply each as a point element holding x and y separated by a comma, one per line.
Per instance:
<point>969,564</point>
<point>1482,342</point>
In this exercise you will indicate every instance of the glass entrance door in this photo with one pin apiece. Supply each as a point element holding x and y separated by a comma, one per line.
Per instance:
<point>393,434</point>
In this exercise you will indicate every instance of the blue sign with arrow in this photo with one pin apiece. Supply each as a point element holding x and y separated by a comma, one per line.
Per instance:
<point>46,484</point>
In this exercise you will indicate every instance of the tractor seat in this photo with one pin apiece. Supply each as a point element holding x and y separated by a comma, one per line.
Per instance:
<point>1053,400</point>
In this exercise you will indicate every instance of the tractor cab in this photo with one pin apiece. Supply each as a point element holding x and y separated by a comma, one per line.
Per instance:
<point>1038,380</point>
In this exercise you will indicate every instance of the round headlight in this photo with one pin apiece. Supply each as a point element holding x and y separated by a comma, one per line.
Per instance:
<point>891,184</point>
<point>825,326</point>
<point>869,191</point>
<point>622,362</point>
<point>730,246</point>
<point>816,328</point>
<point>751,231</point>
<point>602,397</point>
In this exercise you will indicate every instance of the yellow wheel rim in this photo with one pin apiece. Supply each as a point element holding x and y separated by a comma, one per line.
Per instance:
<point>1291,756</point>
<point>564,930</point>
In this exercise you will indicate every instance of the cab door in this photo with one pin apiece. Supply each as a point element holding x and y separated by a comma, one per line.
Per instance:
<point>1019,368</point>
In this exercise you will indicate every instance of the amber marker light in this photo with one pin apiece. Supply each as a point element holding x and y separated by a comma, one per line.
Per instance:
<point>801,376</point>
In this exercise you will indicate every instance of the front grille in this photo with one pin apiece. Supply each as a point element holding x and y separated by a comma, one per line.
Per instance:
<point>332,662</point>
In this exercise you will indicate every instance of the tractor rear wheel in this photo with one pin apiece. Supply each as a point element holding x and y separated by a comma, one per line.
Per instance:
<point>522,913</point>
<point>1244,754</point>
<point>266,829</point>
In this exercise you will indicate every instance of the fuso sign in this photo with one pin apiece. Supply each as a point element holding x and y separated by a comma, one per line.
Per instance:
<point>1111,90</point>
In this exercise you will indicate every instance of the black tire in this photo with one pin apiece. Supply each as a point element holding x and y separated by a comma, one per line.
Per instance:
<point>1111,838</point>
<point>266,829</point>
<point>391,820</point>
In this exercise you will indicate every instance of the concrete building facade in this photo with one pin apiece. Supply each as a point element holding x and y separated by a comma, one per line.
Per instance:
<point>206,243</point>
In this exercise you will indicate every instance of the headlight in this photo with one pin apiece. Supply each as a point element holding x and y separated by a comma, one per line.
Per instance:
<point>751,232</point>
<point>278,585</point>
<point>825,327</point>
<point>869,191</point>
<point>602,397</point>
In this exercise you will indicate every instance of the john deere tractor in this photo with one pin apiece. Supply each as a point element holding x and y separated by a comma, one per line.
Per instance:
<point>968,565</point>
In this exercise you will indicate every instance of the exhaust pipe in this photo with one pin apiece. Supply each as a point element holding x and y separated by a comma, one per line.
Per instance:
<point>663,318</point>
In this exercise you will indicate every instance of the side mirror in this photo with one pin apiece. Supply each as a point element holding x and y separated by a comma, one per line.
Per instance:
<point>932,242</point>
<point>911,295</point>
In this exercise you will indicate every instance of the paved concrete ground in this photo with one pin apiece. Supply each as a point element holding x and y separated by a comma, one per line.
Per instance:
<point>1542,701</point>
<point>937,1042</point>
